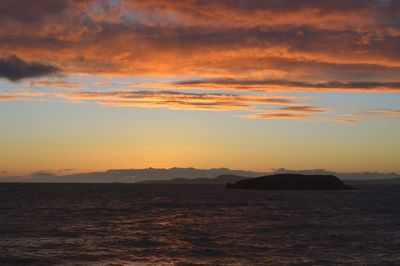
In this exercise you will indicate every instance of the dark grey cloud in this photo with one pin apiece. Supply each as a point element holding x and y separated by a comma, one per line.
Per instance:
<point>14,68</point>
<point>30,11</point>
<point>295,4</point>
<point>362,85</point>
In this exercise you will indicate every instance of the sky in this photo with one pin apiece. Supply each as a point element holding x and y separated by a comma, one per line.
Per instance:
<point>91,85</point>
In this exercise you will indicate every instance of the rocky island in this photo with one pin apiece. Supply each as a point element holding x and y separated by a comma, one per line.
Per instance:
<point>291,182</point>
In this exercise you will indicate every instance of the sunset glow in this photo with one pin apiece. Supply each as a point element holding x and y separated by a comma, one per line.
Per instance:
<point>256,85</point>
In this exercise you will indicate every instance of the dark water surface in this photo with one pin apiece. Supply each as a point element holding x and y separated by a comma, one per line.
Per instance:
<point>121,224</point>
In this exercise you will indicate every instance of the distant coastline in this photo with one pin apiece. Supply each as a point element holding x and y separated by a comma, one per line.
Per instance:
<point>177,175</point>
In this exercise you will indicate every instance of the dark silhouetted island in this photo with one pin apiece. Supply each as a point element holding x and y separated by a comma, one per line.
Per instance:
<point>291,182</point>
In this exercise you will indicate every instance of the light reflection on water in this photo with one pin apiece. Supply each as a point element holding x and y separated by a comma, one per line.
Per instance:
<point>121,224</point>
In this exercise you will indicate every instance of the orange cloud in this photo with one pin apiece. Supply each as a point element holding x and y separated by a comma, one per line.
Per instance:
<point>11,98</point>
<point>290,40</point>
<point>386,112</point>
<point>179,100</point>
<point>288,112</point>
<point>17,98</point>
<point>181,105</point>
<point>275,116</point>
<point>345,120</point>
<point>378,113</point>
<point>160,99</point>
<point>285,85</point>
<point>245,46</point>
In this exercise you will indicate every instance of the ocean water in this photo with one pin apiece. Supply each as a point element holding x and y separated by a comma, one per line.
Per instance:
<point>128,224</point>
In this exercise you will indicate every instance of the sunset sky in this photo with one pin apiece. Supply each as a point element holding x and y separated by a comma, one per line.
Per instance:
<point>89,85</point>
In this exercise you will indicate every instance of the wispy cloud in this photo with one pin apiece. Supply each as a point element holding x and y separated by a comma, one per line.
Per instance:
<point>386,112</point>
<point>254,105</point>
<point>56,84</point>
<point>19,98</point>
<point>345,120</point>
<point>159,99</point>
<point>275,115</point>
<point>288,112</point>
<point>285,85</point>
<point>180,100</point>
<point>377,113</point>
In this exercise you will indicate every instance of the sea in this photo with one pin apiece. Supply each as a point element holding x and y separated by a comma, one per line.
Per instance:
<point>159,224</point>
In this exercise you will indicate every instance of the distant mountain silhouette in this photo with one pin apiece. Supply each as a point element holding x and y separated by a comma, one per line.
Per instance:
<point>136,176</point>
<point>220,180</point>
<point>182,175</point>
<point>291,182</point>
